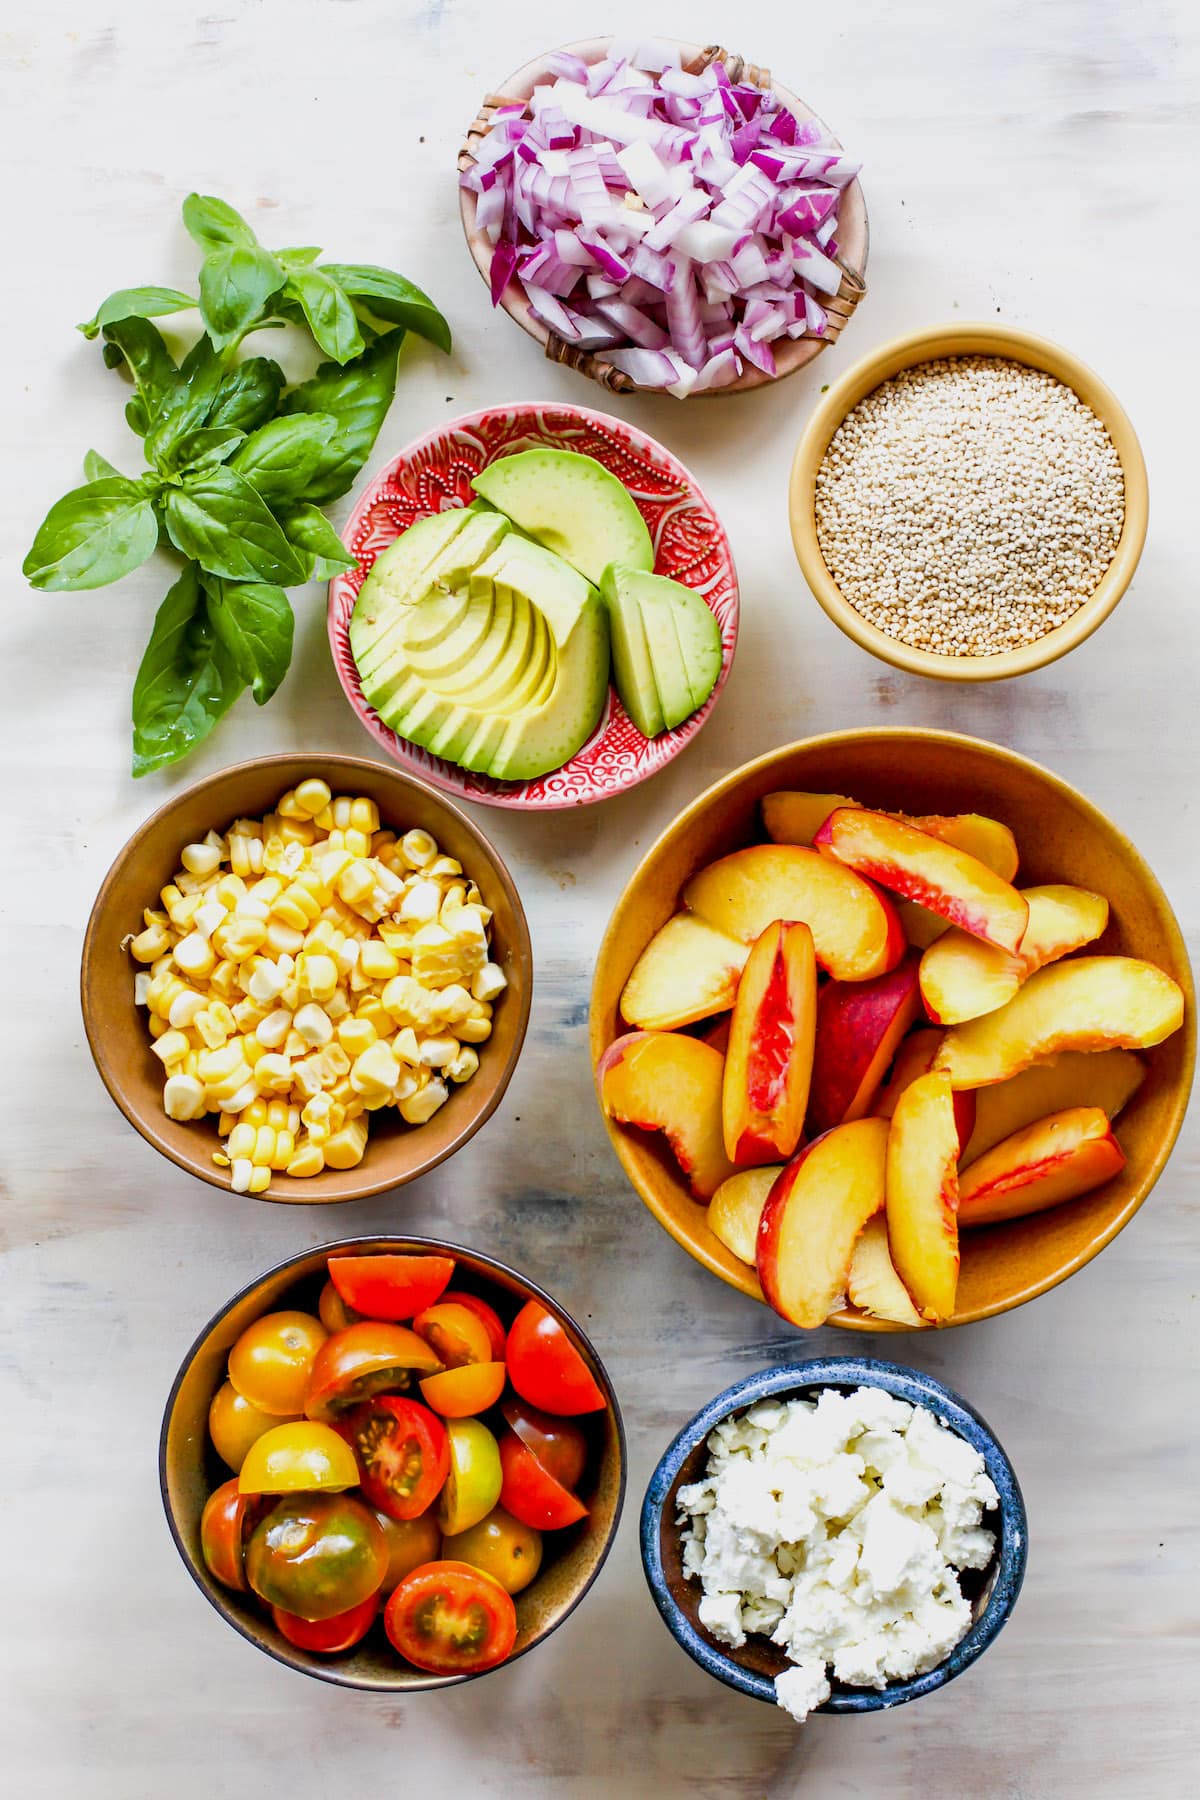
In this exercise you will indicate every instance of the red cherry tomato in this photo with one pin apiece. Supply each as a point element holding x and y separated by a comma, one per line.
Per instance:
<point>530,1494</point>
<point>545,1367</point>
<point>489,1315</point>
<point>403,1454</point>
<point>226,1523</point>
<point>365,1359</point>
<point>558,1444</point>
<point>456,1334</point>
<point>328,1636</point>
<point>390,1287</point>
<point>451,1619</point>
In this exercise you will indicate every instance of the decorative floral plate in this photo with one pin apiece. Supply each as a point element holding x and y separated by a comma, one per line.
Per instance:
<point>434,474</point>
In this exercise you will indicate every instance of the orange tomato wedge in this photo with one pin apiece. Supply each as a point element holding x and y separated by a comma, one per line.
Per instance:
<point>461,1393</point>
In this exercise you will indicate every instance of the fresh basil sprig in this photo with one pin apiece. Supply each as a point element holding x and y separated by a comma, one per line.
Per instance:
<point>237,465</point>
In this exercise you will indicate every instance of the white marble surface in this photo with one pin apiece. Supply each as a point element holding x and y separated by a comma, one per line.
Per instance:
<point>1035,164</point>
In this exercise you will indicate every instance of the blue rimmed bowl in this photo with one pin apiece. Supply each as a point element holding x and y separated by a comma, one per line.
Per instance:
<point>753,1668</point>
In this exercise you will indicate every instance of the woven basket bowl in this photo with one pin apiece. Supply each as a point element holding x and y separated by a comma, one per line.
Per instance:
<point>790,353</point>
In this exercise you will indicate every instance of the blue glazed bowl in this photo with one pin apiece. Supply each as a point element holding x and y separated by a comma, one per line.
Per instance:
<point>752,1669</point>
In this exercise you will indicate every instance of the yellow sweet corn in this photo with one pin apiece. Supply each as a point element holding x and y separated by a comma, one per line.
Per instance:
<point>150,944</point>
<point>344,1149</point>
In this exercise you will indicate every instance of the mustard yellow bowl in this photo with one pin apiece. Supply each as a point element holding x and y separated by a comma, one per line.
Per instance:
<point>926,346</point>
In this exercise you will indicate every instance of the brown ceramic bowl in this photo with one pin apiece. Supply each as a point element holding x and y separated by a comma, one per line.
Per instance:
<point>1062,837</point>
<point>790,353</point>
<point>189,1469</point>
<point>116,1029</point>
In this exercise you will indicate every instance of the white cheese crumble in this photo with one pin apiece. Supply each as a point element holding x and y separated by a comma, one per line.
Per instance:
<point>838,1529</point>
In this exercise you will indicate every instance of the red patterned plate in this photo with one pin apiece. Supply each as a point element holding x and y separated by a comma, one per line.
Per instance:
<point>434,474</point>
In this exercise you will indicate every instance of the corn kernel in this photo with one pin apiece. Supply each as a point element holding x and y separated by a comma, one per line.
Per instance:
<point>185,1004</point>
<point>273,1074</point>
<point>283,940</point>
<point>253,1051</point>
<point>260,1180</point>
<point>224,978</point>
<point>141,987</point>
<point>319,974</point>
<point>344,1149</point>
<point>312,797</point>
<point>239,937</point>
<point>273,1030</point>
<point>422,1106</point>
<point>308,1160</point>
<point>313,1024</point>
<point>436,1052</point>
<point>157,1026</point>
<point>356,882</point>
<point>212,1028</point>
<point>356,1035</point>
<point>406,1045</point>
<point>452,1004</point>
<point>194,955</point>
<point>489,981</point>
<point>244,1097</point>
<point>183,1097</point>
<point>150,944</point>
<point>417,849</point>
<point>436,958</point>
<point>225,1123</point>
<point>200,859</point>
<point>463,1066</point>
<point>376,1070</point>
<point>283,1151</point>
<point>475,1030</point>
<point>256,1113</point>
<point>241,1139</point>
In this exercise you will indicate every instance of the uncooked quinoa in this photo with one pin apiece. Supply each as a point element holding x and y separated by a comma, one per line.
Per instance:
<point>969,505</point>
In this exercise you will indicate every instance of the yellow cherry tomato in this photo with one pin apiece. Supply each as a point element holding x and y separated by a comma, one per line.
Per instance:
<point>270,1363</point>
<point>298,1458</point>
<point>511,1553</point>
<point>473,1485</point>
<point>234,1423</point>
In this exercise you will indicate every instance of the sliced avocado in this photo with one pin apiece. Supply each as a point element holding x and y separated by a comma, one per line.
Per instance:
<point>401,610</point>
<point>397,569</point>
<point>631,656</point>
<point>544,737</point>
<point>666,660</point>
<point>572,505</point>
<point>400,664</point>
<point>682,636</point>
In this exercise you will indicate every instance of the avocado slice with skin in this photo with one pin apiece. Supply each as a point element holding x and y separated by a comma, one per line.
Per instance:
<point>632,671</point>
<point>683,638</point>
<point>666,660</point>
<point>544,737</point>
<point>572,505</point>
<point>465,641</point>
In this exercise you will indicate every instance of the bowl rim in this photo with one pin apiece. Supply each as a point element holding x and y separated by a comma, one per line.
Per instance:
<point>332,1672</point>
<point>799,1380</point>
<point>967,338</point>
<point>318,761</point>
<point>594,363</point>
<point>448,778</point>
<point>951,740</point>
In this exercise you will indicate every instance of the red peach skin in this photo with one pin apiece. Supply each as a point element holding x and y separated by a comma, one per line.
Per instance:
<point>665,1081</point>
<point>859,1027</point>
<point>941,878</point>
<point>963,978</point>
<point>922,1195</point>
<point>1089,1003</point>
<point>687,971</point>
<point>915,1057</point>
<point>813,1217</point>
<point>1053,1160</point>
<point>769,1061</point>
<point>856,933</point>
<point>1105,1078</point>
<point>794,817</point>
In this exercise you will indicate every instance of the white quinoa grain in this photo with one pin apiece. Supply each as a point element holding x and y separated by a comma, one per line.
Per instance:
<point>969,505</point>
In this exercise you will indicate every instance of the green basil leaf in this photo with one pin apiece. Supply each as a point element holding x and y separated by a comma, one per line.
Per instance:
<point>213,223</point>
<point>186,681</point>
<point>298,257</point>
<point>358,397</point>
<point>281,457</point>
<point>308,530</point>
<point>92,536</point>
<point>236,282</point>
<point>254,621</point>
<point>391,297</point>
<point>187,407</point>
<point>248,394</point>
<point>206,447</point>
<point>142,347</point>
<point>221,522</point>
<point>98,468</point>
<point>329,313</point>
<point>136,303</point>
<point>136,416</point>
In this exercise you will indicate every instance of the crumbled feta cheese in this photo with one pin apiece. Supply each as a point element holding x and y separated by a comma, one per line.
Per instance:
<point>836,1528</point>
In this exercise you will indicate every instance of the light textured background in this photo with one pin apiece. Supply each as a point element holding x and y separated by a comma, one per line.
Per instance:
<point>1030,164</point>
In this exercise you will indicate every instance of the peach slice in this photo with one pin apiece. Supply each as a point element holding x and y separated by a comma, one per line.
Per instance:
<point>1052,1160</point>
<point>946,880</point>
<point>792,817</point>
<point>859,1026</point>
<point>813,1216</point>
<point>736,1208</point>
<point>1089,1003</point>
<point>962,977</point>
<point>768,1064</point>
<point>687,971</point>
<point>856,934</point>
<point>1106,1078</point>
<point>915,1057</point>
<point>922,1195</point>
<point>873,1284</point>
<point>665,1081</point>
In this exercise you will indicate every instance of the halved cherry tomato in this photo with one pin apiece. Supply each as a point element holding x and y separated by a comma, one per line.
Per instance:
<point>270,1363</point>
<point>328,1636</point>
<point>457,1334</point>
<point>473,1484</point>
<point>559,1444</point>
<point>335,1314</point>
<point>390,1287</point>
<point>451,1619</point>
<point>545,1367</point>
<point>365,1359</point>
<point>530,1494</point>
<point>234,1424</point>
<point>491,1318</point>
<point>317,1555</point>
<point>411,1542</point>
<point>298,1458</point>
<point>461,1393</point>
<point>228,1518</point>
<point>403,1456</point>
<point>511,1553</point>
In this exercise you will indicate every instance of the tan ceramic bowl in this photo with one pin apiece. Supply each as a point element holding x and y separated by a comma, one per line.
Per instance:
<point>925,346</point>
<point>790,353</point>
<point>1062,837</point>
<point>116,1029</point>
<point>189,1469</point>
